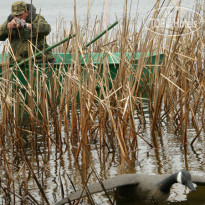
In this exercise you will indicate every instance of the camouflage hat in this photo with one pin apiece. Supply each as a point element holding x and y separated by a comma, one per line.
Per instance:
<point>18,8</point>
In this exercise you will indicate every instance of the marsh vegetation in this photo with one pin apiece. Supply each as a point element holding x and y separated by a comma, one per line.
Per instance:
<point>72,123</point>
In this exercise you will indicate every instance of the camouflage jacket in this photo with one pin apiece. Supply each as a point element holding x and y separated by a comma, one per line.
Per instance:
<point>19,38</point>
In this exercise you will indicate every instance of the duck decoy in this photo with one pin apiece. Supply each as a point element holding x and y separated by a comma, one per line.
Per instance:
<point>149,188</point>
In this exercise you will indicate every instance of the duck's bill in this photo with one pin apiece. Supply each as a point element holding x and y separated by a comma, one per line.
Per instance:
<point>190,185</point>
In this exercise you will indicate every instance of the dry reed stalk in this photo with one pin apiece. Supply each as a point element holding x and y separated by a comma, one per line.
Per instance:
<point>54,83</point>
<point>6,162</point>
<point>195,124</point>
<point>31,168</point>
<point>25,184</point>
<point>68,88</point>
<point>30,88</point>
<point>106,116</point>
<point>118,135</point>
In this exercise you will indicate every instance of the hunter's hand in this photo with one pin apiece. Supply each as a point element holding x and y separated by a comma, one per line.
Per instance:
<point>28,26</point>
<point>13,24</point>
<point>23,21</point>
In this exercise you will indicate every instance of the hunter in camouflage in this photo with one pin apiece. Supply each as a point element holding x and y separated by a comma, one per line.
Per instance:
<point>19,37</point>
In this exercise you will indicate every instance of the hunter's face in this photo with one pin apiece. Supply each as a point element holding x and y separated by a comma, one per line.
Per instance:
<point>22,16</point>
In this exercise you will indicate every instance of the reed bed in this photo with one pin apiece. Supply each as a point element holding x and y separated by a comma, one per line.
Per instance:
<point>70,108</point>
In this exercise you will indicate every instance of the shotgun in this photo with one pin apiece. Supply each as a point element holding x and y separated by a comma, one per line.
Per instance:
<point>21,23</point>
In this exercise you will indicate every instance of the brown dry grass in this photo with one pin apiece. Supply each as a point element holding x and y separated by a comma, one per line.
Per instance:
<point>66,100</point>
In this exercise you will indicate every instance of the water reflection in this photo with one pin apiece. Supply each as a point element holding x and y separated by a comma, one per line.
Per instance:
<point>166,157</point>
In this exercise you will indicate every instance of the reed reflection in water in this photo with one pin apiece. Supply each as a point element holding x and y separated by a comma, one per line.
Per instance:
<point>168,156</point>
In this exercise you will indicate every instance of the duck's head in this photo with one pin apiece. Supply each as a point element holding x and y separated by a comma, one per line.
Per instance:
<point>184,177</point>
